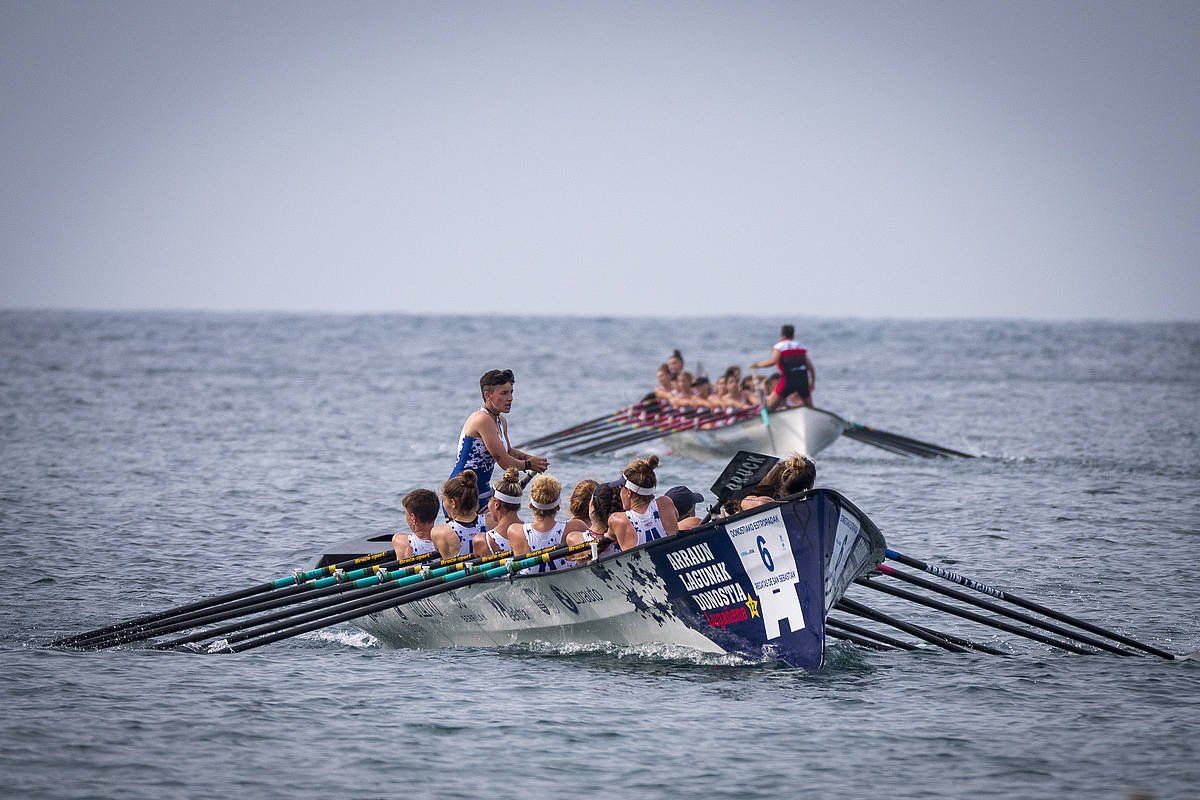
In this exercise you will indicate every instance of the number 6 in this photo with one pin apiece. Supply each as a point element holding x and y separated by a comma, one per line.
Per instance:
<point>765,554</point>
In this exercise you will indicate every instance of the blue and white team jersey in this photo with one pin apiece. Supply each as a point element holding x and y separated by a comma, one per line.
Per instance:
<point>551,538</point>
<point>466,532</point>
<point>649,525</point>
<point>473,454</point>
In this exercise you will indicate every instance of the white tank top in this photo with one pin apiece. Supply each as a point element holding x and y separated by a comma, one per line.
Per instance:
<point>551,538</point>
<point>499,541</point>
<point>465,532</point>
<point>420,546</point>
<point>648,525</point>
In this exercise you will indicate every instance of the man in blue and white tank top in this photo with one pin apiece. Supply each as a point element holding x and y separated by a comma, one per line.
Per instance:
<point>484,441</point>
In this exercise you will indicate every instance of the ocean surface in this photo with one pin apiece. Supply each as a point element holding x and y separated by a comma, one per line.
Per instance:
<point>149,459</point>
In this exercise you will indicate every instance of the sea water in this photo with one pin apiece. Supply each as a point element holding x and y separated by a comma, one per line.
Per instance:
<point>149,459</point>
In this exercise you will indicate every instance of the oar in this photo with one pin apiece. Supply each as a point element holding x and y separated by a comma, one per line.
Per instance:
<point>698,419</point>
<point>278,583</point>
<point>882,638</point>
<point>320,600</point>
<point>971,615</point>
<point>301,593</point>
<point>381,601</point>
<point>999,609</point>
<point>565,432</point>
<point>859,610</point>
<point>894,442</point>
<point>833,633</point>
<point>1009,597</point>
<point>765,413</point>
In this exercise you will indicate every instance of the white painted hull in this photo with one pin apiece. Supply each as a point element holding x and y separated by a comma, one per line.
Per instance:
<point>532,609</point>
<point>803,430</point>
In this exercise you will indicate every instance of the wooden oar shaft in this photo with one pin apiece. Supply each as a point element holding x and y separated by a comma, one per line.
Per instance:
<point>999,609</point>
<point>1017,600</point>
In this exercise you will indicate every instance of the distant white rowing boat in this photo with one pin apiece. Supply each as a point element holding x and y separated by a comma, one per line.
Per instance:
<point>710,433</point>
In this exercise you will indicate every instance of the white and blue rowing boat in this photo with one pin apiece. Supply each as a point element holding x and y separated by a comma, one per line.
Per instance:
<point>758,584</point>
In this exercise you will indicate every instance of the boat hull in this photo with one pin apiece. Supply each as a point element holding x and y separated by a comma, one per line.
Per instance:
<point>757,585</point>
<point>802,430</point>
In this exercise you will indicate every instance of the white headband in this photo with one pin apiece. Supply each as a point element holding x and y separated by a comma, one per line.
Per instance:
<point>633,487</point>
<point>507,498</point>
<point>543,506</point>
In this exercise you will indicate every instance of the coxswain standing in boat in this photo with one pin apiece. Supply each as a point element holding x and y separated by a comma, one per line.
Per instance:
<point>484,441</point>
<point>797,376</point>
<point>420,514</point>
<point>545,495</point>
<point>502,507</point>
<point>646,517</point>
<point>464,521</point>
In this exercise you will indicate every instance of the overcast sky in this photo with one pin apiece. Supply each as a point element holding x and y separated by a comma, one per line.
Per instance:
<point>900,159</point>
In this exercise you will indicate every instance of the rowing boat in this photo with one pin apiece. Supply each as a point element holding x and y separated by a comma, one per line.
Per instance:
<point>802,430</point>
<point>758,584</point>
<point>648,426</point>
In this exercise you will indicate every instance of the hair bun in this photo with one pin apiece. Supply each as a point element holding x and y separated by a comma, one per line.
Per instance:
<point>652,462</point>
<point>467,476</point>
<point>512,475</point>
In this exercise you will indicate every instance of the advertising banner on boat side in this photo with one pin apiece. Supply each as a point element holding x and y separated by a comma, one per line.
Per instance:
<point>755,585</point>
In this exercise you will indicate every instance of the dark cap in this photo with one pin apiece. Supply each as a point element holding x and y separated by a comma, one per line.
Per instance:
<point>685,499</point>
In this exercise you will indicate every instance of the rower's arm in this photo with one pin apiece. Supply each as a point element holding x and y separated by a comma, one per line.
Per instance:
<point>504,456</point>
<point>769,362</point>
<point>668,514</point>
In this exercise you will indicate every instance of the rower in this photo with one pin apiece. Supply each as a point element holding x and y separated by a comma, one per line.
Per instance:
<point>646,517</point>
<point>460,499</point>
<point>790,476</point>
<point>685,501</point>
<point>420,513</point>
<point>484,441</point>
<point>797,376</point>
<point>581,499</point>
<point>604,502</point>
<point>675,364</point>
<point>502,507</point>
<point>545,530</point>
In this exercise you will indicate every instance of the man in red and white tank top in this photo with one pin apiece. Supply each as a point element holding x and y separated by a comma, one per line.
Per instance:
<point>797,376</point>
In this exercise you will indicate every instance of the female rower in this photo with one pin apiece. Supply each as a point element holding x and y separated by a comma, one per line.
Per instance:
<point>646,517</point>
<point>749,392</point>
<point>460,499</point>
<point>581,499</point>
<point>545,530</point>
<point>791,476</point>
<point>675,363</point>
<point>420,513</point>
<point>502,507</point>
<point>605,502</point>
<point>666,384</point>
